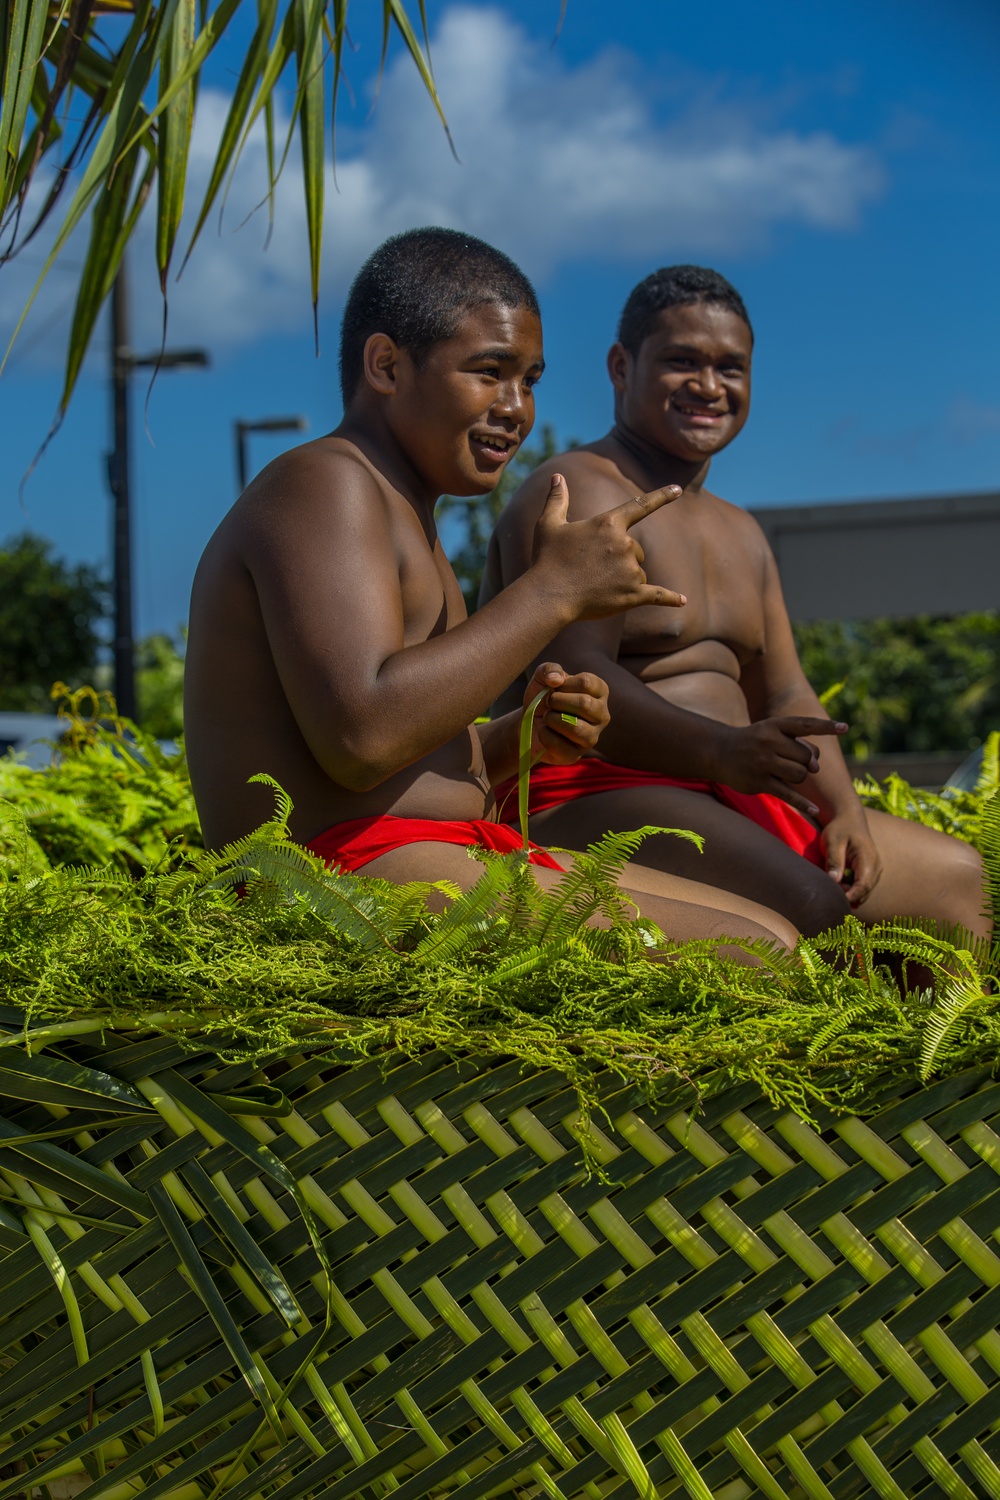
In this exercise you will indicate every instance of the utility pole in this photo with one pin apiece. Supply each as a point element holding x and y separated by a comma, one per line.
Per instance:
<point>121,525</point>
<point>242,431</point>
<point>123,364</point>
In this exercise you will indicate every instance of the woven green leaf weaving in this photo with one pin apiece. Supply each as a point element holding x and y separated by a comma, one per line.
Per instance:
<point>404,1279</point>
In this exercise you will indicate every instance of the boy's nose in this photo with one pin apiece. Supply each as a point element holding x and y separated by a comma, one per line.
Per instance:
<point>707,382</point>
<point>511,400</point>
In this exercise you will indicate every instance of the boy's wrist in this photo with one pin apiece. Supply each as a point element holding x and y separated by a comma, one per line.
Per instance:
<point>556,597</point>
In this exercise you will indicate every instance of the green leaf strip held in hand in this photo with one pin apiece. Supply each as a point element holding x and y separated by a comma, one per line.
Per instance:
<point>524,763</point>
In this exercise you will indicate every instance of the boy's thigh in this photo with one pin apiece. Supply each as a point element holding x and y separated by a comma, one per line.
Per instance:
<point>738,855</point>
<point>924,874</point>
<point>428,861</point>
<point>683,910</point>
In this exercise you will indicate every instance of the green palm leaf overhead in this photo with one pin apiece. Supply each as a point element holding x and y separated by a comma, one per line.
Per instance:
<point>97,111</point>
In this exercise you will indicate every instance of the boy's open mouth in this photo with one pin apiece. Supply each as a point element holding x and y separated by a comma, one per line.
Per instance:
<point>495,447</point>
<point>700,416</point>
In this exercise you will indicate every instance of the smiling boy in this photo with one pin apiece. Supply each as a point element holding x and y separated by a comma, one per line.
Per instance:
<point>328,640</point>
<point>713,724</point>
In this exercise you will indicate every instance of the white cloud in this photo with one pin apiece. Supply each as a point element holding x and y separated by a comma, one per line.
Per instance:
<point>557,165</point>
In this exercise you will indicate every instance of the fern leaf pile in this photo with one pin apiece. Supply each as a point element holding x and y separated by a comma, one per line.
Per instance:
<point>114,916</point>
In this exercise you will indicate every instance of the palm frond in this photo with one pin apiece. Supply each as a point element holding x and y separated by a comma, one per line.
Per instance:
<point>132,130</point>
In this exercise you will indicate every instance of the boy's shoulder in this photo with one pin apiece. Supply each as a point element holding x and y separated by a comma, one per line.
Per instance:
<point>595,483</point>
<point>737,521</point>
<point>311,488</point>
<point>326,469</point>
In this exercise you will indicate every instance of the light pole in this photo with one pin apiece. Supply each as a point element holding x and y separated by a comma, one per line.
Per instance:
<point>264,424</point>
<point>123,363</point>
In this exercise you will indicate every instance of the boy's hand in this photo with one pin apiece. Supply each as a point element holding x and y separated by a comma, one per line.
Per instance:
<point>569,721</point>
<point>852,859</point>
<point>774,756</point>
<point>594,565</point>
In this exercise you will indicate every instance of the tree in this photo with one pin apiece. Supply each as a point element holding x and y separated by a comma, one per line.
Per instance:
<point>97,105</point>
<point>160,685</point>
<point>50,616</point>
<point>925,683</point>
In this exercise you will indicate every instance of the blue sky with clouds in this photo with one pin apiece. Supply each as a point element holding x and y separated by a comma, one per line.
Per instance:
<point>837,161</point>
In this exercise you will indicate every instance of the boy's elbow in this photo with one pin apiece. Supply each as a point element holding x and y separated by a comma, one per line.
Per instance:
<point>361,767</point>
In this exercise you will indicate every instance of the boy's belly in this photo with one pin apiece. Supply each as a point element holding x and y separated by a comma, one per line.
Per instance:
<point>448,784</point>
<point>704,679</point>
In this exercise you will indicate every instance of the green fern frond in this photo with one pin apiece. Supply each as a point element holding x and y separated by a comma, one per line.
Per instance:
<point>989,847</point>
<point>472,914</point>
<point>988,782</point>
<point>960,1002</point>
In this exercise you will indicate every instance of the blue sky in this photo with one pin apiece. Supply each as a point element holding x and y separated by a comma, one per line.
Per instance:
<point>837,161</point>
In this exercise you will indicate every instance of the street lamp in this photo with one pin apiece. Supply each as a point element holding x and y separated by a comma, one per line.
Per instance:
<point>123,363</point>
<point>263,424</point>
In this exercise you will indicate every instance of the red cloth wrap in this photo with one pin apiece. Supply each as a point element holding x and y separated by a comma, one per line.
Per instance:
<point>354,843</point>
<point>551,786</point>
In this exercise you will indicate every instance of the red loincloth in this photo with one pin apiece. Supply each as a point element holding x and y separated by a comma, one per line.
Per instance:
<point>551,786</point>
<point>352,844</point>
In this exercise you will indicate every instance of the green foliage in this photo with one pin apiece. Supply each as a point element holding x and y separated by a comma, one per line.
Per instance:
<point>473,517</point>
<point>50,615</point>
<point>951,811</point>
<point>113,916</point>
<point>110,798</point>
<point>159,662</point>
<point>921,684</point>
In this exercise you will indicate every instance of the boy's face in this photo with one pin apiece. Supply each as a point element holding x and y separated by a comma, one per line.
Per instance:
<point>688,389</point>
<point>463,412</point>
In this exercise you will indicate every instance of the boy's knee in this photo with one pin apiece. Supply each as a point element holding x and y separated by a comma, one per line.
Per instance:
<point>963,884</point>
<point>819,904</point>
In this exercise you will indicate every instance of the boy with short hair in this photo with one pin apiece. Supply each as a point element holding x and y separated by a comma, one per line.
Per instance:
<point>714,726</point>
<point>328,641</point>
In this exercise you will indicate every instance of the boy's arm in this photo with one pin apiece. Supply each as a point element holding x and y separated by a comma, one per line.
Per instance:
<point>646,731</point>
<point>320,546</point>
<point>776,685</point>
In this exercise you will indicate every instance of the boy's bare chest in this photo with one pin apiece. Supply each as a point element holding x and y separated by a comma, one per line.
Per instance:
<point>430,596</point>
<point>719,572</point>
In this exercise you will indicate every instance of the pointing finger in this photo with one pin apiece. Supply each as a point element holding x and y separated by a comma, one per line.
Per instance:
<point>643,505</point>
<point>796,727</point>
<point>653,594</point>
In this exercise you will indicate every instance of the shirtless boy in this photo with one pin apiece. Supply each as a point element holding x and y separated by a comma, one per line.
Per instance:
<point>712,693</point>
<point>329,645</point>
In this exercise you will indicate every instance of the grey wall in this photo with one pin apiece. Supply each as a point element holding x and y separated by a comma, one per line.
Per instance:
<point>887,557</point>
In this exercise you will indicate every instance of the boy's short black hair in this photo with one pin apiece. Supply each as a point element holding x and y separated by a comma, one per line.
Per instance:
<point>417,286</point>
<point>673,286</point>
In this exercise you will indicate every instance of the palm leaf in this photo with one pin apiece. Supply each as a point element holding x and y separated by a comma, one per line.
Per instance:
<point>142,94</point>
<point>23,49</point>
<point>176,119</point>
<point>310,107</point>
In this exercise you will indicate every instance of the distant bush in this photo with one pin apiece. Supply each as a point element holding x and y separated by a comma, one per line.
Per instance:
<point>50,618</point>
<point>921,684</point>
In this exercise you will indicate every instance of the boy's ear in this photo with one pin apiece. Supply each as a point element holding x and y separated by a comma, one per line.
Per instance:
<point>380,359</point>
<point>619,360</point>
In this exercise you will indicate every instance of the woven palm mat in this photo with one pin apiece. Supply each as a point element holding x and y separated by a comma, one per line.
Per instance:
<point>433,1296</point>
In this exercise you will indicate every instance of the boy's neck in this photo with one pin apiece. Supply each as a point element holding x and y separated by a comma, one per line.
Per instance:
<point>657,466</point>
<point>370,433</point>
